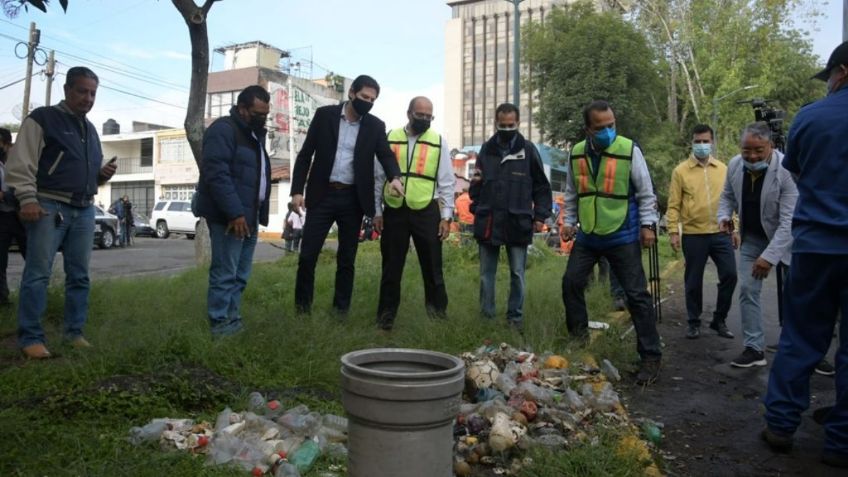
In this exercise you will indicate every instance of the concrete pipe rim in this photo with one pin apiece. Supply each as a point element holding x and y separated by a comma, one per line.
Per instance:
<point>357,360</point>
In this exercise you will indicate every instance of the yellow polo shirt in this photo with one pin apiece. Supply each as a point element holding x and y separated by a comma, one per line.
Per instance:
<point>693,196</point>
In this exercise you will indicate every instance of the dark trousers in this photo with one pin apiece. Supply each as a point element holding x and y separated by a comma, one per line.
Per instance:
<point>696,249</point>
<point>341,207</point>
<point>423,226</point>
<point>10,227</point>
<point>626,263</point>
<point>616,291</point>
<point>816,291</point>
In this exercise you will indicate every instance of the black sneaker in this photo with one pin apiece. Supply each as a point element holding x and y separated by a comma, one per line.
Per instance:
<point>750,357</point>
<point>649,371</point>
<point>721,329</point>
<point>619,304</point>
<point>693,332</point>
<point>777,441</point>
<point>825,368</point>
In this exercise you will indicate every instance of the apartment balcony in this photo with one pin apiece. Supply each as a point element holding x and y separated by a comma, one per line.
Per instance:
<point>133,166</point>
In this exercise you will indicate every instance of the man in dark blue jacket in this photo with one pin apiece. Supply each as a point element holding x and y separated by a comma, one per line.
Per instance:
<point>232,194</point>
<point>817,287</point>
<point>54,170</point>
<point>510,199</point>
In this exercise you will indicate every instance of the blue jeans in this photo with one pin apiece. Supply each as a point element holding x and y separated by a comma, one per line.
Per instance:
<point>517,255</point>
<point>816,290</point>
<point>749,292</point>
<point>229,270</point>
<point>75,234</point>
<point>124,240</point>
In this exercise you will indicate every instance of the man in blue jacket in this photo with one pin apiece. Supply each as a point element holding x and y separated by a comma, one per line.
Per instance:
<point>817,286</point>
<point>54,170</point>
<point>232,194</point>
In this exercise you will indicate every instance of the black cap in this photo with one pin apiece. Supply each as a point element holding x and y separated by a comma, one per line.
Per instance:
<point>838,57</point>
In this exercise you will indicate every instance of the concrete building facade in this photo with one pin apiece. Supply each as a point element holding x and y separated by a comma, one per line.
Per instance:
<point>478,66</point>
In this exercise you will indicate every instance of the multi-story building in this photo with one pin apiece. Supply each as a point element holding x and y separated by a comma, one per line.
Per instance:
<point>479,66</point>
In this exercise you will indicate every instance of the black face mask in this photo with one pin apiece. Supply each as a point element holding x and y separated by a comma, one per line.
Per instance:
<point>257,122</point>
<point>418,126</point>
<point>361,106</point>
<point>506,135</point>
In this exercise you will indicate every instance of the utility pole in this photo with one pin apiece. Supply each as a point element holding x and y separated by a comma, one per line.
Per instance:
<point>51,69</point>
<point>34,37</point>
<point>516,45</point>
<point>844,20</point>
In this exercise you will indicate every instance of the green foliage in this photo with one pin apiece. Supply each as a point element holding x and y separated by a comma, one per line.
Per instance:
<point>153,357</point>
<point>578,55</point>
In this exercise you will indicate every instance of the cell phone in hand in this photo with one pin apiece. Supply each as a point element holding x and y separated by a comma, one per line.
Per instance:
<point>114,160</point>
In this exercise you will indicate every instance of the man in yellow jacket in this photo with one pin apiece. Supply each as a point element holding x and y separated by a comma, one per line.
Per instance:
<point>696,186</point>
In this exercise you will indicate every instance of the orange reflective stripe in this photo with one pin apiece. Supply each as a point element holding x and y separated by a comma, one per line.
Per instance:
<point>609,175</point>
<point>422,158</point>
<point>396,150</point>
<point>584,176</point>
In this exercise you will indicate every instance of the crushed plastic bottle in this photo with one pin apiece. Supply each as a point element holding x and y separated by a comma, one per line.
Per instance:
<point>535,393</point>
<point>255,401</point>
<point>149,432</point>
<point>505,383</point>
<point>652,431</point>
<point>305,456</point>
<point>573,400</point>
<point>337,423</point>
<point>286,469</point>
<point>301,424</point>
<point>610,371</point>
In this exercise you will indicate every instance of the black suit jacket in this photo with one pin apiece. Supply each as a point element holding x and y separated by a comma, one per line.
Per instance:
<point>321,141</point>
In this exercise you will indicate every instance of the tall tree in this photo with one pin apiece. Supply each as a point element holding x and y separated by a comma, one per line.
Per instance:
<point>712,48</point>
<point>579,54</point>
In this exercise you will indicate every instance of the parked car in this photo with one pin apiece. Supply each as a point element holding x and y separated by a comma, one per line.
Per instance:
<point>173,216</point>
<point>142,227</point>
<point>106,230</point>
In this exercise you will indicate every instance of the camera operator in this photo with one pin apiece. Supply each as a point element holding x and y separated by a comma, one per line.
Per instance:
<point>816,289</point>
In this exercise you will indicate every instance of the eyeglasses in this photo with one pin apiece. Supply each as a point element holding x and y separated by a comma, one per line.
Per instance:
<point>428,117</point>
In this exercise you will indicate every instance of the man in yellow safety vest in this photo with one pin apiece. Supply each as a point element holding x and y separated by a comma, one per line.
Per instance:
<point>423,213</point>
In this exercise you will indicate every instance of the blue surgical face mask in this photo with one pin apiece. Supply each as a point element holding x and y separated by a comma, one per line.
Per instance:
<point>755,166</point>
<point>702,151</point>
<point>605,137</point>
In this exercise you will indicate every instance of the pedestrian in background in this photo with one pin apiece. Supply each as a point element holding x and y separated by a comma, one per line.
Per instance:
<point>10,225</point>
<point>817,285</point>
<point>57,207</point>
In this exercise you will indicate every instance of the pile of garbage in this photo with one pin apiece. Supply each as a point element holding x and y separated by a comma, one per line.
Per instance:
<point>515,400</point>
<point>264,440</point>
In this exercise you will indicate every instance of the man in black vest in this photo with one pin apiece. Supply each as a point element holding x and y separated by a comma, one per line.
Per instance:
<point>54,169</point>
<point>510,200</point>
<point>338,158</point>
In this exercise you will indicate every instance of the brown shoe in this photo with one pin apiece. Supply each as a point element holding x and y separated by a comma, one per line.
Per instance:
<point>36,351</point>
<point>79,343</point>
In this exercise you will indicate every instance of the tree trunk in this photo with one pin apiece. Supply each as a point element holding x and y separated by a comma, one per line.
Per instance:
<point>195,19</point>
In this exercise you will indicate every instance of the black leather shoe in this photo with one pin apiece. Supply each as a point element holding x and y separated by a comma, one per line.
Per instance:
<point>693,332</point>
<point>721,329</point>
<point>777,441</point>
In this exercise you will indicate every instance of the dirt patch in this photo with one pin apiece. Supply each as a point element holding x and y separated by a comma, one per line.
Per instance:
<point>713,413</point>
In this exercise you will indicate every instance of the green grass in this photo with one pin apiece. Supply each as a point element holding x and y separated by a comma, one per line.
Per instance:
<point>153,357</point>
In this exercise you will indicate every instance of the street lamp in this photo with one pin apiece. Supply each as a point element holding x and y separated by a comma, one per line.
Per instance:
<point>516,36</point>
<point>715,109</point>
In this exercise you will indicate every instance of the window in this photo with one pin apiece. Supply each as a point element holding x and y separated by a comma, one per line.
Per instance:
<point>177,206</point>
<point>147,152</point>
<point>273,201</point>
<point>182,192</point>
<point>159,206</point>
<point>220,103</point>
<point>174,150</point>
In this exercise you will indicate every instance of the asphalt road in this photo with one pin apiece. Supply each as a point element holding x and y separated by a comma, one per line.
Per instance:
<point>712,412</point>
<point>147,257</point>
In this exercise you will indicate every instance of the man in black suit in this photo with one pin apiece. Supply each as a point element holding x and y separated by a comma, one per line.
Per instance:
<point>338,157</point>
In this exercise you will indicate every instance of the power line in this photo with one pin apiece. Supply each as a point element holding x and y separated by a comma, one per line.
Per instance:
<point>128,93</point>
